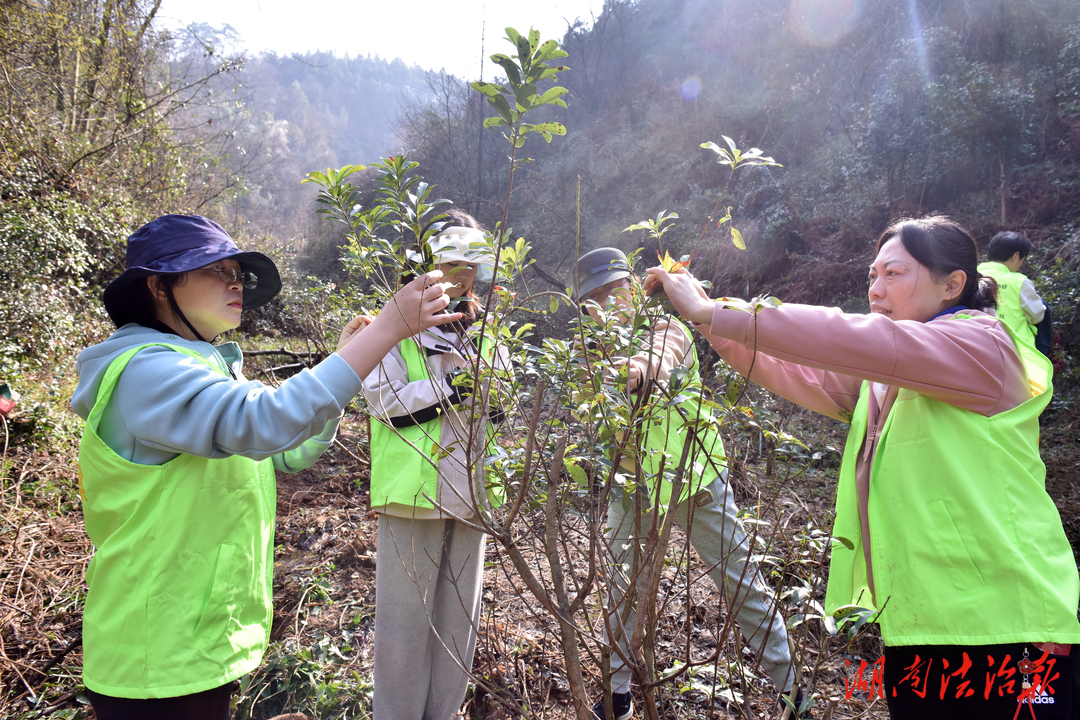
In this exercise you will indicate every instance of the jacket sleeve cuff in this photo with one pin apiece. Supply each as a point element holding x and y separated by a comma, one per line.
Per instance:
<point>339,378</point>
<point>731,320</point>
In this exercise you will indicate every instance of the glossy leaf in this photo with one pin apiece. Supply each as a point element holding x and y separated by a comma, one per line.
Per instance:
<point>736,239</point>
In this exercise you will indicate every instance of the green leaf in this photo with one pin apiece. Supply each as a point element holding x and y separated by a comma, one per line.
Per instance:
<point>844,541</point>
<point>736,239</point>
<point>549,50</point>
<point>545,129</point>
<point>552,72</point>
<point>577,474</point>
<point>553,306</point>
<point>503,108</point>
<point>723,156</point>
<point>486,88</point>
<point>525,94</point>
<point>524,50</point>
<point>552,97</point>
<point>769,302</point>
<point>513,75</point>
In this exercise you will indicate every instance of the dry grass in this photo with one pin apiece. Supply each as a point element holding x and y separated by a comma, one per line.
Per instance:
<point>324,588</point>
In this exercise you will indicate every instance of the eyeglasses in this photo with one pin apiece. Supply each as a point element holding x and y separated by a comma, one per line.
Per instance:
<point>228,275</point>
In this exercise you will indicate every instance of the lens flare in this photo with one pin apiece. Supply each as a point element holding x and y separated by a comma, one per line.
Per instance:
<point>823,22</point>
<point>691,87</point>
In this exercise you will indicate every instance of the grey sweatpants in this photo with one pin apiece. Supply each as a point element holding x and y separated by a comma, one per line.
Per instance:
<point>429,576</point>
<point>717,536</point>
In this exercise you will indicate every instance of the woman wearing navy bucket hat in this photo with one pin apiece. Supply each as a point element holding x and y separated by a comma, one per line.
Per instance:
<point>176,465</point>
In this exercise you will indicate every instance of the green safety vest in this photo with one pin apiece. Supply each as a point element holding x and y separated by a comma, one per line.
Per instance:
<point>967,547</point>
<point>405,460</point>
<point>181,584</point>
<point>1008,299</point>
<point>665,437</point>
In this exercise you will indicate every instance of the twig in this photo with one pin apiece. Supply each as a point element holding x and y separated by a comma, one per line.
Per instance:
<point>64,700</point>
<point>298,354</point>
<point>362,460</point>
<point>44,670</point>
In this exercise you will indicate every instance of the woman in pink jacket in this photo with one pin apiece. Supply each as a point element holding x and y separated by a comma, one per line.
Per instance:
<point>943,523</point>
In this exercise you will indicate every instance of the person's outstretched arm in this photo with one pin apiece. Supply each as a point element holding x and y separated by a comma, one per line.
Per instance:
<point>417,306</point>
<point>971,364</point>
<point>167,403</point>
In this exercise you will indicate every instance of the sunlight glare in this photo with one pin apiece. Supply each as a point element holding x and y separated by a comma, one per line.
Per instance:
<point>691,87</point>
<point>822,23</point>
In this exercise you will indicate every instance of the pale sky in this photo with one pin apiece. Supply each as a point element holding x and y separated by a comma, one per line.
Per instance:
<point>434,35</point>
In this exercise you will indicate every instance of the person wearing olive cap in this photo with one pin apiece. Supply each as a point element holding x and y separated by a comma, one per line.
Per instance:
<point>177,460</point>
<point>427,484</point>
<point>705,508</point>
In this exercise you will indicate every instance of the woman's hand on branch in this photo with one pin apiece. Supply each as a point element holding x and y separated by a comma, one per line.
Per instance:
<point>352,329</point>
<point>420,304</point>
<point>684,291</point>
<point>634,371</point>
<point>417,306</point>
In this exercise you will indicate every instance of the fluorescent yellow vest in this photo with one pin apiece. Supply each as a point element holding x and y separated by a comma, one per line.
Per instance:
<point>1008,300</point>
<point>665,436</point>
<point>967,547</point>
<point>404,461</point>
<point>181,584</point>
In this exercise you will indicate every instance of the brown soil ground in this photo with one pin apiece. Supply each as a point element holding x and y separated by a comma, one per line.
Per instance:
<point>324,591</point>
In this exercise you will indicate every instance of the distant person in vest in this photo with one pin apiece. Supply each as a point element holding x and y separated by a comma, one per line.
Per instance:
<point>943,524</point>
<point>705,507</point>
<point>177,461</point>
<point>1019,305</point>
<point>425,474</point>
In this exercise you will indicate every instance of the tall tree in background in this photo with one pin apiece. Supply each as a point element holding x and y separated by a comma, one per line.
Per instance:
<point>101,130</point>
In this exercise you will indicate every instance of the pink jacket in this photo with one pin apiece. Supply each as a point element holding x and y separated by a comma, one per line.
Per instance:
<point>818,357</point>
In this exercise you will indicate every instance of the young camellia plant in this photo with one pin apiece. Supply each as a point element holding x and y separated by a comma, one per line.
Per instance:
<point>655,228</point>
<point>734,159</point>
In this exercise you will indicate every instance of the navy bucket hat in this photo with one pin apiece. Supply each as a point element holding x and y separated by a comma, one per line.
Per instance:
<point>600,267</point>
<point>175,244</point>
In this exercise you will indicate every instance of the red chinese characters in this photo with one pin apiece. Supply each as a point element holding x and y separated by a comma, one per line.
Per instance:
<point>876,686</point>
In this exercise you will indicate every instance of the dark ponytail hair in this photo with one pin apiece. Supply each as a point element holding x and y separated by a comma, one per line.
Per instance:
<point>942,246</point>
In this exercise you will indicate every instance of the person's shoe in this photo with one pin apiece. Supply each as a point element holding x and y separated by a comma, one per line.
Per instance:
<point>622,707</point>
<point>796,700</point>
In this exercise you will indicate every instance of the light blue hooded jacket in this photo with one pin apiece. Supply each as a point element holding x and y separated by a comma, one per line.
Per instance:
<point>167,403</point>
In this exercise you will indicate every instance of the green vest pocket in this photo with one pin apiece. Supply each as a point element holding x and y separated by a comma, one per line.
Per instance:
<point>219,600</point>
<point>953,549</point>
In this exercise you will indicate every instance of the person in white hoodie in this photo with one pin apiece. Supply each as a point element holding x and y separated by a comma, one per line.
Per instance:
<point>427,484</point>
<point>177,460</point>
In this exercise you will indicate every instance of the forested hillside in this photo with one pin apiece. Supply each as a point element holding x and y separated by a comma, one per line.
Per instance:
<point>315,111</point>
<point>875,113</point>
<point>871,111</point>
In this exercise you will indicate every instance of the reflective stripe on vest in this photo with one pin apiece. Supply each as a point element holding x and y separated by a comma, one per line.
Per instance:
<point>181,584</point>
